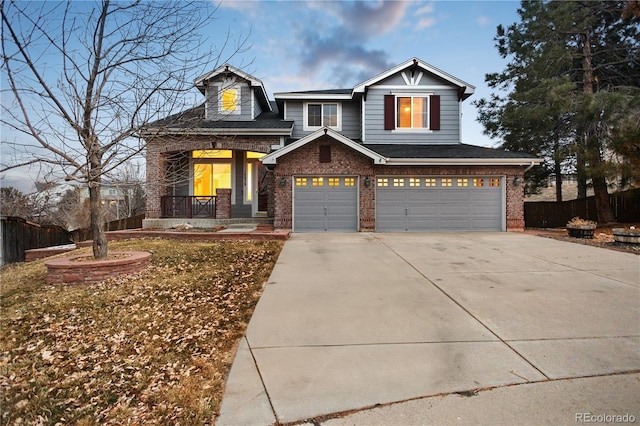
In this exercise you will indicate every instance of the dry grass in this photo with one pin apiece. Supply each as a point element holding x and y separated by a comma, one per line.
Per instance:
<point>152,348</point>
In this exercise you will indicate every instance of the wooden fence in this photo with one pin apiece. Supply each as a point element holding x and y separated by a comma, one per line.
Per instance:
<point>18,235</point>
<point>132,222</point>
<point>549,214</point>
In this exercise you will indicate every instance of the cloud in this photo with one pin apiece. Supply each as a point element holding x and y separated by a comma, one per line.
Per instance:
<point>425,21</point>
<point>482,20</point>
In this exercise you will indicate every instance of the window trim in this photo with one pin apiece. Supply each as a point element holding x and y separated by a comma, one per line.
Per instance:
<point>305,116</point>
<point>433,112</point>
<point>220,91</point>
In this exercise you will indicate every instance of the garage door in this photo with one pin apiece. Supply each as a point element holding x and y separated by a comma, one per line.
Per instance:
<point>325,203</point>
<point>439,204</point>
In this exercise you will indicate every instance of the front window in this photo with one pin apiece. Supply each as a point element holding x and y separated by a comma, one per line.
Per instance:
<point>413,112</point>
<point>322,115</point>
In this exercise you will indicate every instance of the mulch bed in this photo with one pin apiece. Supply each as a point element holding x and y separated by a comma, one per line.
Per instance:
<point>602,237</point>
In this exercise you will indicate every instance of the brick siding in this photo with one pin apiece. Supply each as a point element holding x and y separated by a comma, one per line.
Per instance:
<point>305,161</point>
<point>158,147</point>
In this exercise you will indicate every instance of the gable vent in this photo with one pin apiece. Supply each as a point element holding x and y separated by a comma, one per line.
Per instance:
<point>325,154</point>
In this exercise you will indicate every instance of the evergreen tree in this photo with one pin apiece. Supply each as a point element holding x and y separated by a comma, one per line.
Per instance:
<point>571,84</point>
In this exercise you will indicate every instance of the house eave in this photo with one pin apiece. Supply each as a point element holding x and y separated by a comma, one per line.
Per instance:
<point>272,158</point>
<point>302,96</point>
<point>218,131</point>
<point>469,89</point>
<point>522,162</point>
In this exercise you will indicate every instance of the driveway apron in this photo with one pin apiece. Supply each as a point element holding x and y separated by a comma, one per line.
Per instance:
<point>352,321</point>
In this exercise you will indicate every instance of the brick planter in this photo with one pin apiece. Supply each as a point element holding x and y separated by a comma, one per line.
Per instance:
<point>67,270</point>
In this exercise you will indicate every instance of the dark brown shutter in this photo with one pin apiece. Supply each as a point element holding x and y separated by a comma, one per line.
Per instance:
<point>389,112</point>
<point>325,154</point>
<point>434,112</point>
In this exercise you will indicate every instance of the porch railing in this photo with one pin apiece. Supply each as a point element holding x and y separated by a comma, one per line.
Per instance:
<point>188,206</point>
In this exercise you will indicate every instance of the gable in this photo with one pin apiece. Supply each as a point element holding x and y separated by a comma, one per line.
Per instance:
<point>411,73</point>
<point>272,158</point>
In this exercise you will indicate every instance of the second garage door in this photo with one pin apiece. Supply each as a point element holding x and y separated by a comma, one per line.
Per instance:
<point>325,203</point>
<point>436,203</point>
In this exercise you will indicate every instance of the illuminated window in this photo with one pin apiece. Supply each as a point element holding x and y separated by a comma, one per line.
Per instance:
<point>208,177</point>
<point>317,181</point>
<point>414,182</point>
<point>383,182</point>
<point>398,182</point>
<point>447,182</point>
<point>430,182</point>
<point>463,182</point>
<point>478,182</point>
<point>349,181</point>
<point>494,182</point>
<point>229,101</point>
<point>413,112</point>
<point>300,181</point>
<point>334,181</point>
<point>251,155</point>
<point>213,153</point>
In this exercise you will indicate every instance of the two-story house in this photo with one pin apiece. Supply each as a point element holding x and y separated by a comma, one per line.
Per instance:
<point>385,155</point>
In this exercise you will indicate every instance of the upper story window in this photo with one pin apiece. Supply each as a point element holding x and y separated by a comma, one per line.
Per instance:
<point>317,115</point>
<point>411,112</point>
<point>229,100</point>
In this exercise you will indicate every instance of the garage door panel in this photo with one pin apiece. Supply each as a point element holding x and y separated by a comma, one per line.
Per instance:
<point>422,224</point>
<point>424,210</point>
<point>391,224</point>
<point>453,195</point>
<point>465,205</point>
<point>332,206</point>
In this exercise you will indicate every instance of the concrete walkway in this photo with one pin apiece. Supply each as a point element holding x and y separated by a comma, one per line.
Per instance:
<point>473,328</point>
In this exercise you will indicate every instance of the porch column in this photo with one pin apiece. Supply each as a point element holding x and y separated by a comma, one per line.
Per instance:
<point>156,163</point>
<point>223,203</point>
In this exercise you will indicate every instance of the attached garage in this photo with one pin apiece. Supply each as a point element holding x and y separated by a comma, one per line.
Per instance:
<point>466,203</point>
<point>325,203</point>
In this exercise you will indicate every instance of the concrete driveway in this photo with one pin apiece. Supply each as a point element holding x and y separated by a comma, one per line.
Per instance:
<point>454,328</point>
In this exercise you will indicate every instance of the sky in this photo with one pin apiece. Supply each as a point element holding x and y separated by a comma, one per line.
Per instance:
<point>298,45</point>
<point>313,45</point>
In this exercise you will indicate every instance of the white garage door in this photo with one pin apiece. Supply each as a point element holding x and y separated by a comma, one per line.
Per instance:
<point>439,204</point>
<point>325,203</point>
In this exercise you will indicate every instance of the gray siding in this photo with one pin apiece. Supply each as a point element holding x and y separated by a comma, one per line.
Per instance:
<point>449,132</point>
<point>427,79</point>
<point>257,109</point>
<point>246,109</point>
<point>351,118</point>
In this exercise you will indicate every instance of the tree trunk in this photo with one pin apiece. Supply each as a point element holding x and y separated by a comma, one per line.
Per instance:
<point>557,169</point>
<point>95,205</point>
<point>592,144</point>
<point>558,172</point>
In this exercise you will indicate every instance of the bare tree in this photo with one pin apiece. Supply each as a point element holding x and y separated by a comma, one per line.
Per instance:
<point>84,78</point>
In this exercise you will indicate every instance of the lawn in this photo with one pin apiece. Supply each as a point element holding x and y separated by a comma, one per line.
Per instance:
<point>151,348</point>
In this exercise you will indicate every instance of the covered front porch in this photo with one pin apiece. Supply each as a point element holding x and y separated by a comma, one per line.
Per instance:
<point>216,181</point>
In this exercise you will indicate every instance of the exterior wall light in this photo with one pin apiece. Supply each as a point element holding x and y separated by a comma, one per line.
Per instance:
<point>517,181</point>
<point>283,181</point>
<point>367,181</point>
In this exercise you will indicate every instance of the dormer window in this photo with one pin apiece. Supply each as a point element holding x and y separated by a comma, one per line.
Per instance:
<point>322,114</point>
<point>229,100</point>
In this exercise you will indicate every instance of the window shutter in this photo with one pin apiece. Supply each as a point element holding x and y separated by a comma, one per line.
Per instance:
<point>434,112</point>
<point>389,112</point>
